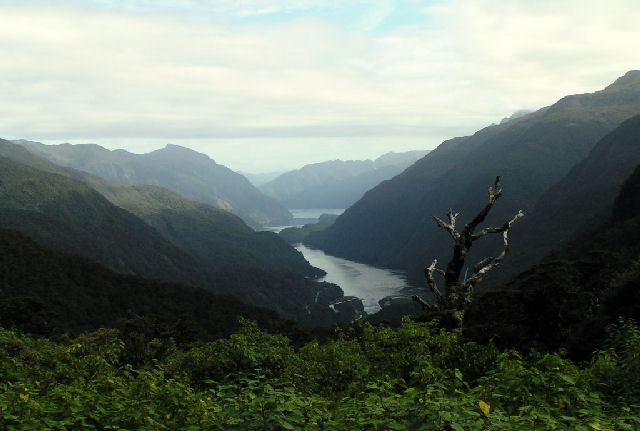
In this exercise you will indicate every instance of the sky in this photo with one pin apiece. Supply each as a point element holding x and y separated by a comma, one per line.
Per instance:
<point>265,86</point>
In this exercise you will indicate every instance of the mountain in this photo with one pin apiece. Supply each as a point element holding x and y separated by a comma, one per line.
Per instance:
<point>69,216</point>
<point>392,224</point>
<point>569,298</point>
<point>66,215</point>
<point>261,178</point>
<point>579,201</point>
<point>45,292</point>
<point>336,183</point>
<point>193,175</point>
<point>216,238</point>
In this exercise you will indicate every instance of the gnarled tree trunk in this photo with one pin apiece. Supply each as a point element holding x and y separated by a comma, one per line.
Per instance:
<point>457,295</point>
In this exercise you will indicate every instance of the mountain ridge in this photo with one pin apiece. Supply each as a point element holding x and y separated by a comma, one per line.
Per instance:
<point>391,225</point>
<point>192,174</point>
<point>336,183</point>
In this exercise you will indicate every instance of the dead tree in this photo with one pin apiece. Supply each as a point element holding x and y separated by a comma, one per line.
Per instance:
<point>457,294</point>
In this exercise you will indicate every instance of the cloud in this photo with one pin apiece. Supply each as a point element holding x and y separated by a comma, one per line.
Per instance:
<point>74,72</point>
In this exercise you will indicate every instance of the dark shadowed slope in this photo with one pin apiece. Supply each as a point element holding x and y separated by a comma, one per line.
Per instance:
<point>569,298</point>
<point>193,175</point>
<point>69,216</point>
<point>580,201</point>
<point>392,224</point>
<point>46,292</point>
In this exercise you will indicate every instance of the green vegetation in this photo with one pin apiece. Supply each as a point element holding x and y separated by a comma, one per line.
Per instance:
<point>216,238</point>
<point>414,378</point>
<point>556,348</point>
<point>180,169</point>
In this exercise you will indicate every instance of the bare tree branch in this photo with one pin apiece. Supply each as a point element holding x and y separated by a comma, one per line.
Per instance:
<point>502,228</point>
<point>428,272</point>
<point>481,268</point>
<point>425,305</point>
<point>458,294</point>
<point>451,226</point>
<point>495,192</point>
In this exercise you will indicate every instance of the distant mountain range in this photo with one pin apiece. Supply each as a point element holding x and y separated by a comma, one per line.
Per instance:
<point>336,183</point>
<point>392,224</point>
<point>262,178</point>
<point>192,174</point>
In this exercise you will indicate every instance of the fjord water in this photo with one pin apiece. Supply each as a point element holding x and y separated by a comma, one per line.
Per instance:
<point>366,282</point>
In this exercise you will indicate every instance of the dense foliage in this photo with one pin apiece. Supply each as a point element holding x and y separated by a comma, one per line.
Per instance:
<point>415,377</point>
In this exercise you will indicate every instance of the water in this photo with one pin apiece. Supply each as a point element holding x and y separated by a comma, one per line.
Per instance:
<point>305,216</point>
<point>366,282</point>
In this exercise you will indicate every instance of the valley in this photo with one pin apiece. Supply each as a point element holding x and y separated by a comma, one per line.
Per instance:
<point>368,283</point>
<point>319,216</point>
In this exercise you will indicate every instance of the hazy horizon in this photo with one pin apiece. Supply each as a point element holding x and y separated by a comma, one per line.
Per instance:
<point>264,86</point>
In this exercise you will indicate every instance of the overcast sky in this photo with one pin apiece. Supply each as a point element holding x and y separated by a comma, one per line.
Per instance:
<point>264,86</point>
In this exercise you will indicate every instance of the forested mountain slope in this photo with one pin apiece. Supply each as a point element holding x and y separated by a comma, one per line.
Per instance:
<point>336,183</point>
<point>569,298</point>
<point>392,224</point>
<point>580,201</point>
<point>215,237</point>
<point>193,175</point>
<point>45,292</point>
<point>66,215</point>
<point>69,216</point>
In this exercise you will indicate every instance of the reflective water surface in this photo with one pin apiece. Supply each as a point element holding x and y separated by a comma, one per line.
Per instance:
<point>366,282</point>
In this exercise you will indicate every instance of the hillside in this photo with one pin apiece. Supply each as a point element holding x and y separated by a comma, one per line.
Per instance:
<point>578,202</point>
<point>66,215</point>
<point>193,175</point>
<point>336,183</point>
<point>392,226</point>
<point>569,298</point>
<point>69,216</point>
<point>45,292</point>
<point>216,238</point>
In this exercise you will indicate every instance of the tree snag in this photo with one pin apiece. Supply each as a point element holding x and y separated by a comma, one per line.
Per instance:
<point>457,295</point>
